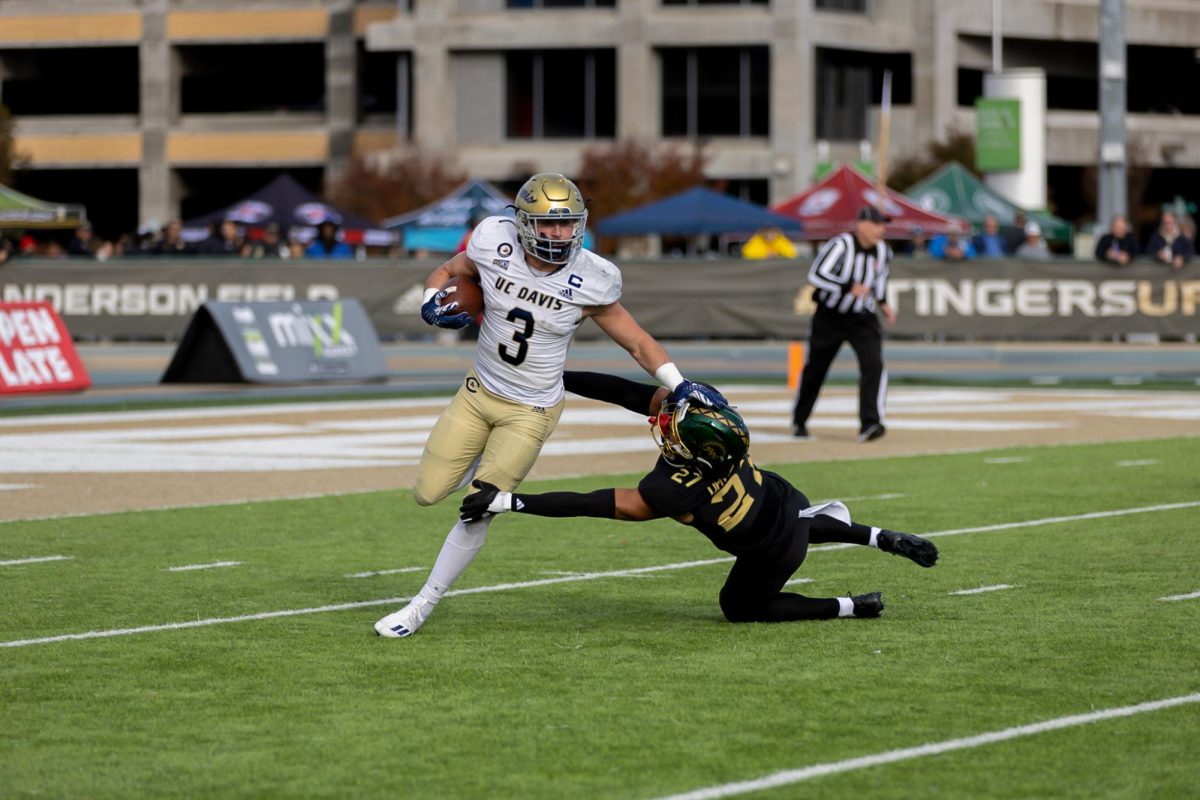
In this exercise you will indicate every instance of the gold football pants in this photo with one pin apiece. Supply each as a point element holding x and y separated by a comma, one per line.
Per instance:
<point>506,437</point>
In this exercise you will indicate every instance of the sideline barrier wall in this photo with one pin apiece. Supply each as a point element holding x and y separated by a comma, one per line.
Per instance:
<point>990,300</point>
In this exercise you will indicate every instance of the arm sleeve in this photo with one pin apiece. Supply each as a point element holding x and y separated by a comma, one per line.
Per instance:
<point>824,272</point>
<point>600,503</point>
<point>610,389</point>
<point>885,260</point>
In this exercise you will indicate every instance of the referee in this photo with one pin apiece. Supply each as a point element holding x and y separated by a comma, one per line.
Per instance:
<point>850,277</point>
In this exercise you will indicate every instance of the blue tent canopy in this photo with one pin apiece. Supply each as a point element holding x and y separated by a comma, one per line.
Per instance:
<point>440,226</point>
<point>695,212</point>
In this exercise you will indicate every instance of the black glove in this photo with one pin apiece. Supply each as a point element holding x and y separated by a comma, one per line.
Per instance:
<point>698,394</point>
<point>442,316</point>
<point>487,502</point>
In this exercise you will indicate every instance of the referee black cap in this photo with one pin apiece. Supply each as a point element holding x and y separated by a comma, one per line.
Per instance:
<point>873,214</point>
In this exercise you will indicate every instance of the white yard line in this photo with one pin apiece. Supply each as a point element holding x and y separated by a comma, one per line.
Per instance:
<point>1144,462</point>
<point>1006,460</point>
<point>214,565</point>
<point>14,487</point>
<point>998,587</point>
<point>296,612</point>
<point>794,581</point>
<point>1192,596</point>
<point>34,560</point>
<point>566,579</point>
<point>793,776</point>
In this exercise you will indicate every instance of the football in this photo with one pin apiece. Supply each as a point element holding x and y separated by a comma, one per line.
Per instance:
<point>468,293</point>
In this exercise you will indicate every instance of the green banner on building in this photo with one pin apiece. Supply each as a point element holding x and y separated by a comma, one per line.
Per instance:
<point>997,134</point>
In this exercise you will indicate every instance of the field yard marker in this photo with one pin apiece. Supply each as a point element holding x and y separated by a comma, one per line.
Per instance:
<point>566,579</point>
<point>34,560</point>
<point>382,572</point>
<point>982,589</point>
<point>214,565</point>
<point>1191,596</point>
<point>1143,462</point>
<point>889,496</point>
<point>793,776</point>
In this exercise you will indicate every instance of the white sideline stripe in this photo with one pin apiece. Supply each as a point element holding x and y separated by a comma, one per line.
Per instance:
<point>34,560</point>
<point>799,580</point>
<point>566,579</point>
<point>982,589</point>
<point>791,776</point>
<point>1007,460</point>
<point>1191,596</point>
<point>381,572</point>
<point>213,565</point>
<point>1143,462</point>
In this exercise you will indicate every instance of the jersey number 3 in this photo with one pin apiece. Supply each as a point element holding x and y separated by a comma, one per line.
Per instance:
<point>521,337</point>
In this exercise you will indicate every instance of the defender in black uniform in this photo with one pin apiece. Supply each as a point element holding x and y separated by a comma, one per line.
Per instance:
<point>705,478</point>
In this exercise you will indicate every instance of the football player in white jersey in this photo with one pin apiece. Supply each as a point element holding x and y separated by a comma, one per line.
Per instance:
<point>539,284</point>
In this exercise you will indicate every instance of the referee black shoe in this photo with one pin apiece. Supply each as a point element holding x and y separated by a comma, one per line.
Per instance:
<point>867,605</point>
<point>800,432</point>
<point>872,432</point>
<point>921,551</point>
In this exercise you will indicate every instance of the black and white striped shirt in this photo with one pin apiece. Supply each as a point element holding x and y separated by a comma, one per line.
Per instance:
<point>842,263</point>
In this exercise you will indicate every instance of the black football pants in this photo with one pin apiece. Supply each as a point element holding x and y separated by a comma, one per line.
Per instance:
<point>753,592</point>
<point>829,330</point>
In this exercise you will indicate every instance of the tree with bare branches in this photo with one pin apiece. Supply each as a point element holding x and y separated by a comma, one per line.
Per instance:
<point>384,187</point>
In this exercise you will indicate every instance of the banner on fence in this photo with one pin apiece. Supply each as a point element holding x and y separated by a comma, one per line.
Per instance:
<point>984,300</point>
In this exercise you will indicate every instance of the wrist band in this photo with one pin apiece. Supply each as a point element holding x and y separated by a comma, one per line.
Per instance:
<point>668,375</point>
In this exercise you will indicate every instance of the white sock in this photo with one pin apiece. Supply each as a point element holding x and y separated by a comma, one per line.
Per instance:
<point>845,607</point>
<point>874,540</point>
<point>462,543</point>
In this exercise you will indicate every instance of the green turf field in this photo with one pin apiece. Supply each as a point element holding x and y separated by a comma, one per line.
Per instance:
<point>591,683</point>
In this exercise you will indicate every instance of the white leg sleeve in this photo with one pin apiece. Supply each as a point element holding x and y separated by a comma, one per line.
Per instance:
<point>463,542</point>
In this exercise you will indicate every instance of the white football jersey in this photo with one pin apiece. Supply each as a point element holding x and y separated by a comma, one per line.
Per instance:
<point>530,317</point>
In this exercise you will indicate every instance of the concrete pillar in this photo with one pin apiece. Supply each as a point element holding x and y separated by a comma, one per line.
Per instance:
<point>934,70</point>
<point>158,194</point>
<point>638,77</point>
<point>341,86</point>
<point>433,124</point>
<point>793,101</point>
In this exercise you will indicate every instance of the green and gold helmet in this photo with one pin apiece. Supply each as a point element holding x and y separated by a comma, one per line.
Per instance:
<point>714,440</point>
<point>549,196</point>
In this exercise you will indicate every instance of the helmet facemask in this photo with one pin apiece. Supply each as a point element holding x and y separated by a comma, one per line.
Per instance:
<point>712,440</point>
<point>550,197</point>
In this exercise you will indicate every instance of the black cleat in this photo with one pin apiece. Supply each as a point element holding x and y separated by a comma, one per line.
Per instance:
<point>867,605</point>
<point>800,432</point>
<point>914,548</point>
<point>872,432</point>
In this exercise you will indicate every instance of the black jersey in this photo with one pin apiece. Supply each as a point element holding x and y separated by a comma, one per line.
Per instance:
<point>747,511</point>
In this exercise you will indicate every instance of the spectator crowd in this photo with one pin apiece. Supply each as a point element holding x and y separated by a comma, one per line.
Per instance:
<point>1172,243</point>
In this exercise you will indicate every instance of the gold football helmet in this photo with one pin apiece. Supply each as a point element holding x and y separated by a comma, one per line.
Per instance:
<point>549,196</point>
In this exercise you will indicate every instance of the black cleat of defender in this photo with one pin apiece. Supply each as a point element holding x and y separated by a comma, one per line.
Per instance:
<point>867,605</point>
<point>914,548</point>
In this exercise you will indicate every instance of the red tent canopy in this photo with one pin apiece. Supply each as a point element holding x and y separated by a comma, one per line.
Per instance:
<point>829,208</point>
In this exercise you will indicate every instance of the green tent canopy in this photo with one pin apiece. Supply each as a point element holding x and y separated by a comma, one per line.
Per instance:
<point>22,211</point>
<point>954,190</point>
